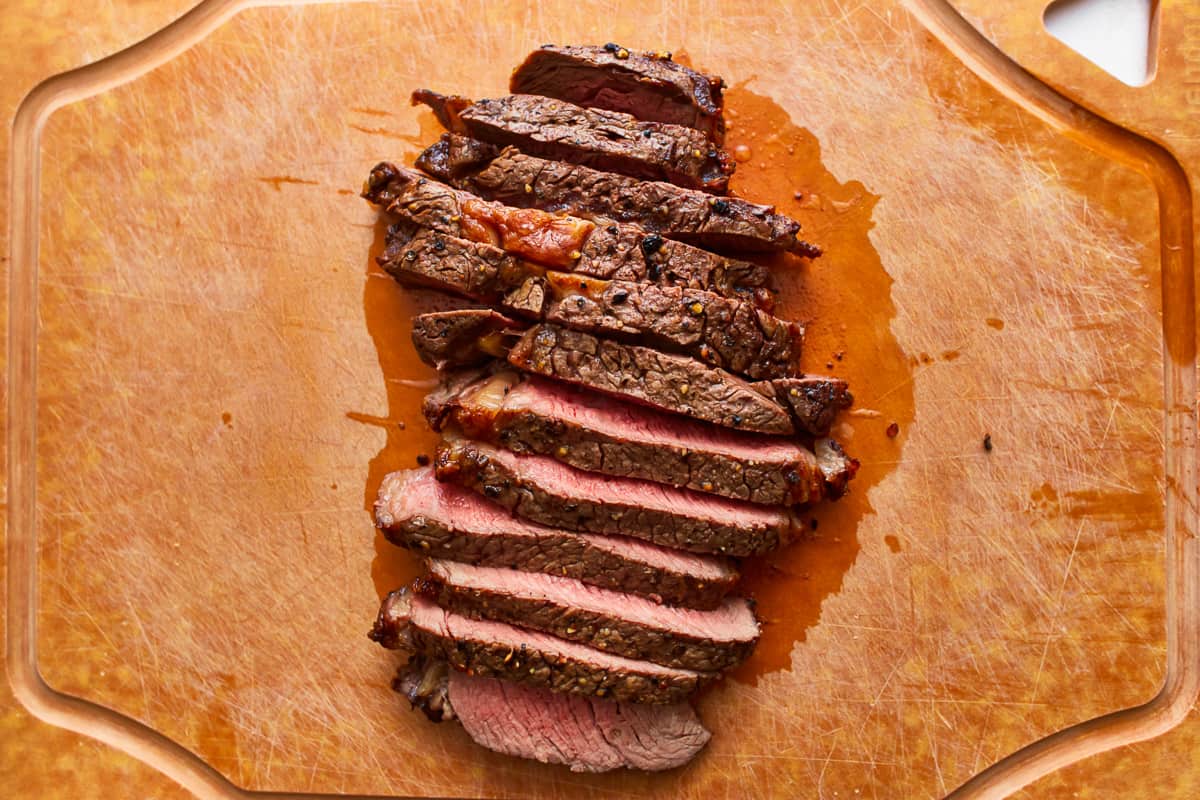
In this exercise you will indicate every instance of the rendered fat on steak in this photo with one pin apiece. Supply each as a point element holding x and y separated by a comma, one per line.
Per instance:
<point>605,140</point>
<point>411,622</point>
<point>612,251</point>
<point>518,179</point>
<point>417,512</point>
<point>545,491</point>
<point>647,85</point>
<point>586,734</point>
<point>619,623</point>
<point>725,332</point>
<point>601,434</point>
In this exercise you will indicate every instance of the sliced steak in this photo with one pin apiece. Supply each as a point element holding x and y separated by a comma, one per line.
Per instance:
<point>663,380</point>
<point>542,490</point>
<point>615,622</point>
<point>725,332</point>
<point>647,85</point>
<point>606,140</point>
<point>600,434</point>
<point>587,734</point>
<point>463,337</point>
<point>411,622</point>
<point>417,512</point>
<point>517,179</point>
<point>614,251</point>
<point>813,401</point>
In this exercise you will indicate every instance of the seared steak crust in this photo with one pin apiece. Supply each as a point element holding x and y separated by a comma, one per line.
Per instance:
<point>612,251</point>
<point>409,622</point>
<point>518,179</point>
<point>663,380</point>
<point>604,630</point>
<point>728,333</point>
<point>601,434</point>
<point>607,140</point>
<point>452,522</point>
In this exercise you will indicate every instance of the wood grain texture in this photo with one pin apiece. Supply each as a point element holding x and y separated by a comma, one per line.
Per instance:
<point>206,559</point>
<point>42,39</point>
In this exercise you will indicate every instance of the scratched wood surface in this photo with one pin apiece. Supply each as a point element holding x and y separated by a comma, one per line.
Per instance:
<point>206,367</point>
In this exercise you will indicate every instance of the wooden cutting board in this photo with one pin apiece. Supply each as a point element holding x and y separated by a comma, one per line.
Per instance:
<point>223,377</point>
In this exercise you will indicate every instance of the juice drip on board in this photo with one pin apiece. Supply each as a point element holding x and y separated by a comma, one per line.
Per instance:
<point>845,298</point>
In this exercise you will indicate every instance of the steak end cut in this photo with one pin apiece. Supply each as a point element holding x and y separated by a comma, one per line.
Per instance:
<point>586,734</point>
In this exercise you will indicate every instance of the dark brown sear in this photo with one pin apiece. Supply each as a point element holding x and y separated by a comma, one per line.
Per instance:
<point>518,179</point>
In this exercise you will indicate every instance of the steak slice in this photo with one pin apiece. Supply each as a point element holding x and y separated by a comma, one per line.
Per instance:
<point>686,215</point>
<point>587,734</point>
<point>542,490</point>
<point>615,622</point>
<point>409,621</point>
<point>606,140</point>
<point>663,380</point>
<point>600,434</point>
<point>417,512</point>
<point>647,85</point>
<point>462,337</point>
<point>725,332</point>
<point>614,251</point>
<point>667,381</point>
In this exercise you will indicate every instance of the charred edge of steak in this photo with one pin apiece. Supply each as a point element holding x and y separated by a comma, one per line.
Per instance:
<point>391,624</point>
<point>425,682</point>
<point>813,401</point>
<point>605,632</point>
<point>378,186</point>
<point>469,464</point>
<point>453,157</point>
